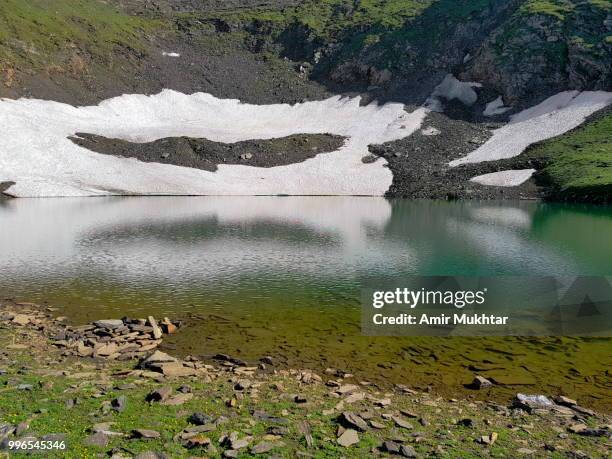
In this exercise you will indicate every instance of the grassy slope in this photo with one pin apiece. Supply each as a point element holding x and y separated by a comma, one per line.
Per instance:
<point>560,15</point>
<point>329,17</point>
<point>578,165</point>
<point>559,8</point>
<point>342,19</point>
<point>34,33</point>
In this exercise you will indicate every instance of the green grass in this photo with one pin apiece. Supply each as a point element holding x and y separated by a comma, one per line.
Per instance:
<point>34,31</point>
<point>556,8</point>
<point>579,164</point>
<point>604,4</point>
<point>44,408</point>
<point>337,18</point>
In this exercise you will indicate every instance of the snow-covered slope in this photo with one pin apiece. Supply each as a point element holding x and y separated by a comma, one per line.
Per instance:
<point>505,178</point>
<point>37,155</point>
<point>555,116</point>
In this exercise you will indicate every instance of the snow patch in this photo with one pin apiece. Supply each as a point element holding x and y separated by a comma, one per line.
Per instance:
<point>496,107</point>
<point>431,131</point>
<point>40,158</point>
<point>555,116</point>
<point>505,178</point>
<point>451,88</point>
<point>171,54</point>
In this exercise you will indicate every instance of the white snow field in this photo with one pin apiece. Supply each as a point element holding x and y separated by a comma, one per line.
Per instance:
<point>37,155</point>
<point>504,178</point>
<point>555,116</point>
<point>451,88</point>
<point>496,107</point>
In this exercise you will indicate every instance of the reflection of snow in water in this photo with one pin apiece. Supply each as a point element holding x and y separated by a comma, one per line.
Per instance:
<point>40,158</point>
<point>506,247</point>
<point>178,240</point>
<point>504,216</point>
<point>116,235</point>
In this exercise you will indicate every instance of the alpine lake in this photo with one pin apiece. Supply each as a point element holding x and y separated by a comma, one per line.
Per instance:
<point>282,277</point>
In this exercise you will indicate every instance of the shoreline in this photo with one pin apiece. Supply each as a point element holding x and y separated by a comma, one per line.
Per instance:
<point>231,409</point>
<point>439,377</point>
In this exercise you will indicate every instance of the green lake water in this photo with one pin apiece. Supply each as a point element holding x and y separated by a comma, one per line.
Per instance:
<point>281,276</point>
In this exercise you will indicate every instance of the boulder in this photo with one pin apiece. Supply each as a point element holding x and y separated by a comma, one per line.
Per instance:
<point>407,451</point>
<point>145,433</point>
<point>168,327</point>
<point>106,350</point>
<point>109,324</point>
<point>480,382</point>
<point>353,421</point>
<point>349,437</point>
<point>22,319</point>
<point>157,332</point>
<point>159,395</point>
<point>262,447</point>
<point>97,439</point>
<point>347,389</point>
<point>199,419</point>
<point>399,422</point>
<point>531,402</point>
<point>157,357</point>
<point>119,403</point>
<point>174,369</point>
<point>177,399</point>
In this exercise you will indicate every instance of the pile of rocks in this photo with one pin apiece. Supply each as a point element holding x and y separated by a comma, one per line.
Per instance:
<point>121,339</point>
<point>27,316</point>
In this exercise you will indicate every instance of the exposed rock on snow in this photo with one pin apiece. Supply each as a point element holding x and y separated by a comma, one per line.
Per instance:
<point>451,88</point>
<point>39,157</point>
<point>555,116</point>
<point>505,178</point>
<point>207,155</point>
<point>496,107</point>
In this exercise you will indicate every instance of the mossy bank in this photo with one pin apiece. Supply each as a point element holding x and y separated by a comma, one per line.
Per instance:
<point>97,406</point>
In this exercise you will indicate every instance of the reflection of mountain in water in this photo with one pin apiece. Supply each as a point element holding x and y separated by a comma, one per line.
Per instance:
<point>333,239</point>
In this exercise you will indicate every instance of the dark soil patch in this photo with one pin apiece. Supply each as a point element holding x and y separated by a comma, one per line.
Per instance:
<point>207,155</point>
<point>420,163</point>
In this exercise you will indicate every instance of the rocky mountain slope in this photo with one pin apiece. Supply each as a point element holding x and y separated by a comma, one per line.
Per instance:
<point>270,51</point>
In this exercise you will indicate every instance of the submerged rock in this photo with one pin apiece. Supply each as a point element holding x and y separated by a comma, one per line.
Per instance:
<point>480,382</point>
